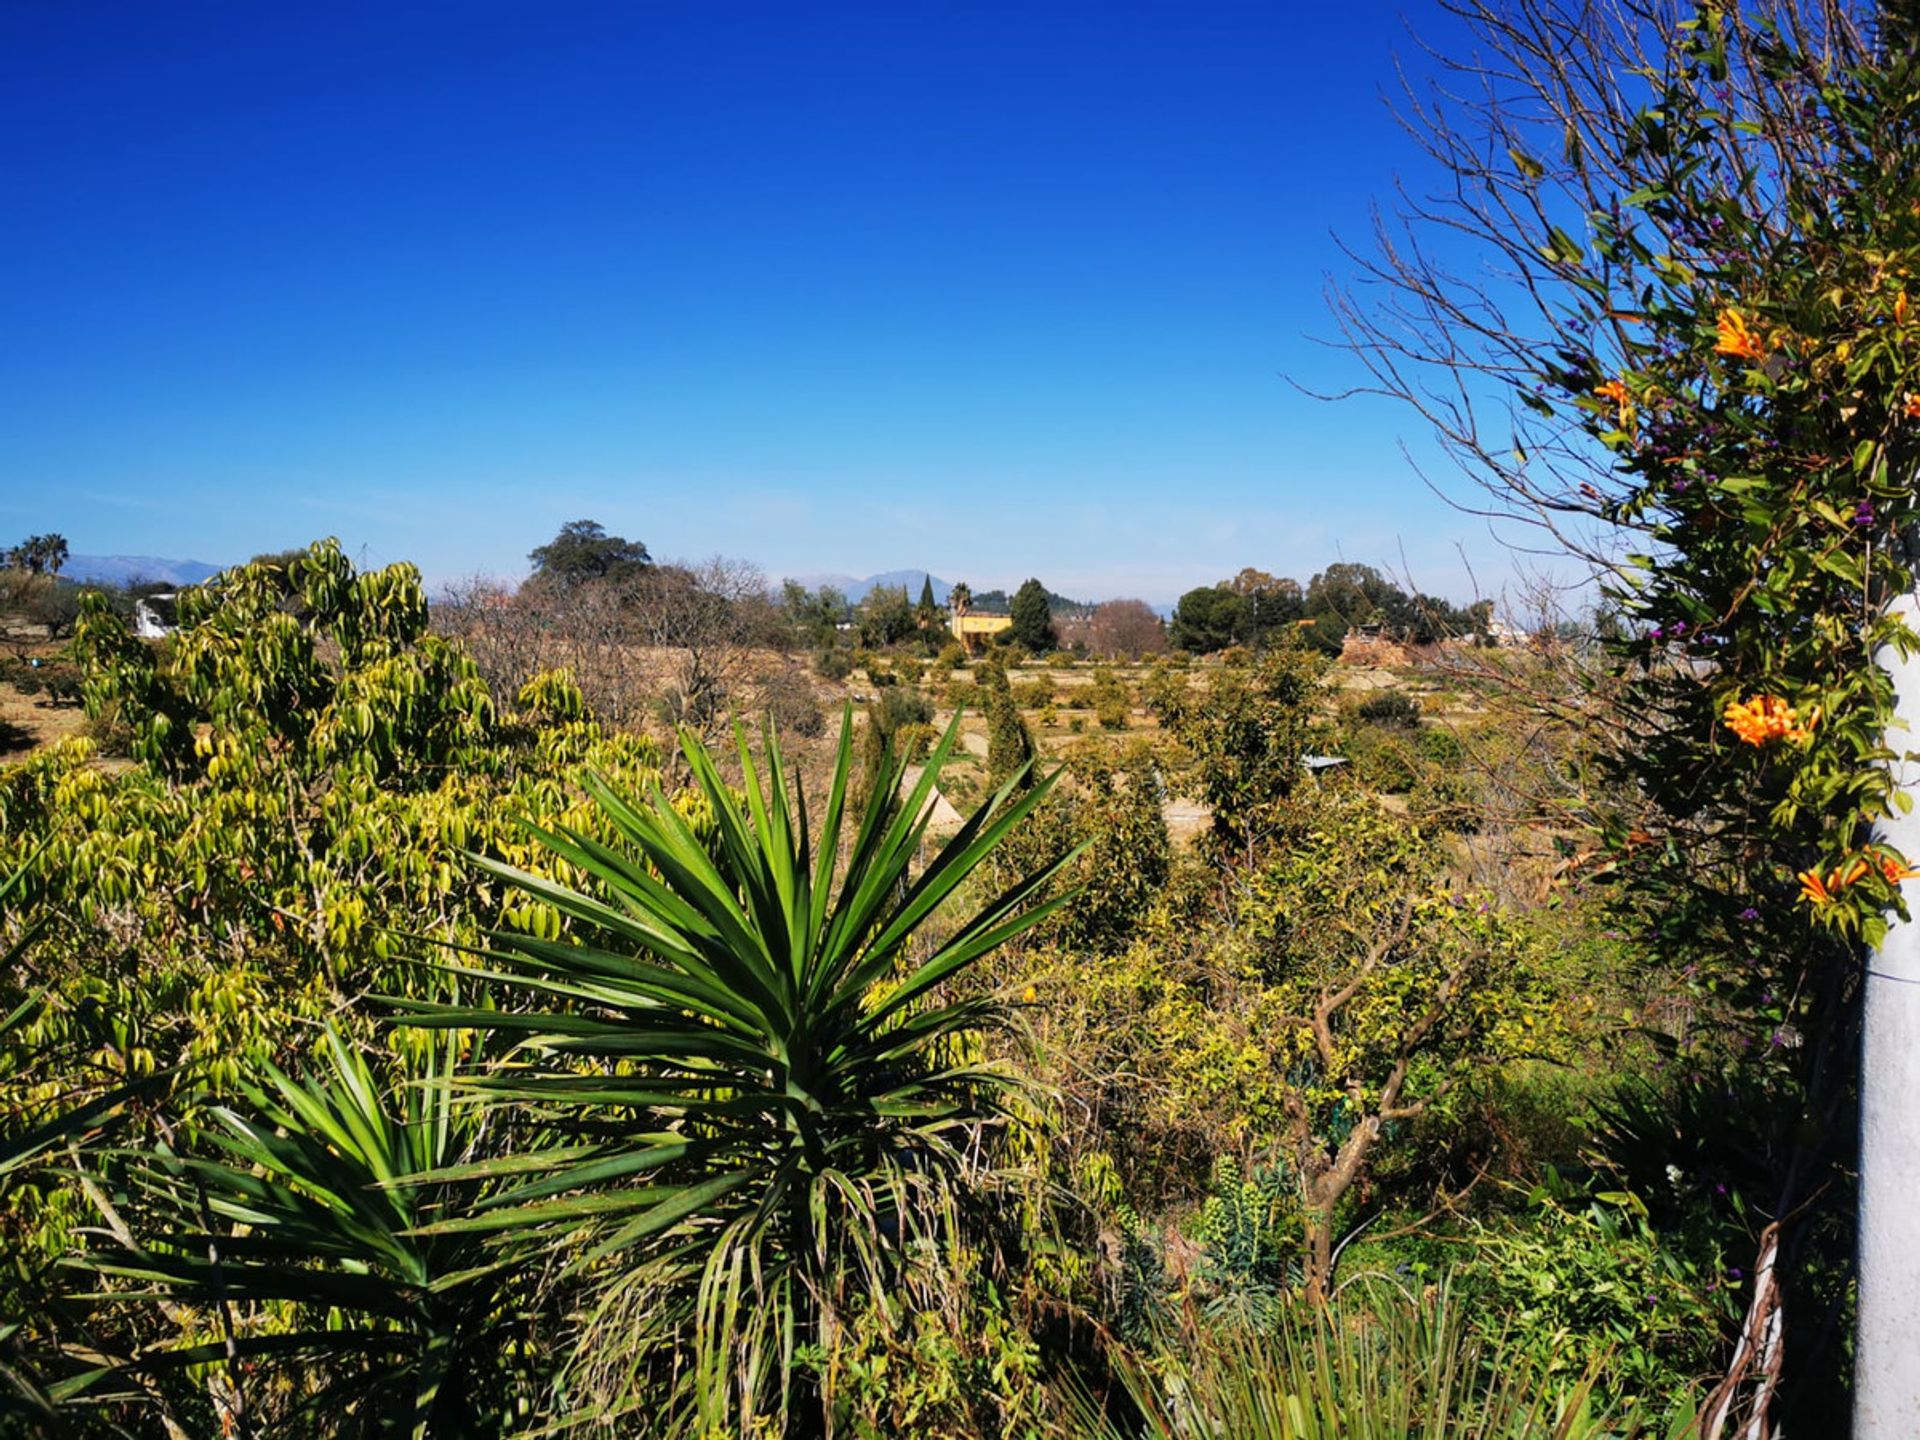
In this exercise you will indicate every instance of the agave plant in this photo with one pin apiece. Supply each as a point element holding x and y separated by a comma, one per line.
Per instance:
<point>297,1232</point>
<point>753,1038</point>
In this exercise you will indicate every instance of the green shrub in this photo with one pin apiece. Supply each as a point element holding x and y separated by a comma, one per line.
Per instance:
<point>1581,1280</point>
<point>1382,760</point>
<point>1033,694</point>
<point>912,741</point>
<point>833,663</point>
<point>1438,745</point>
<point>1391,707</point>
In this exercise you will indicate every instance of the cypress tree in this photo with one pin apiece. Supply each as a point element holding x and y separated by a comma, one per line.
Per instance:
<point>1009,743</point>
<point>1032,618</point>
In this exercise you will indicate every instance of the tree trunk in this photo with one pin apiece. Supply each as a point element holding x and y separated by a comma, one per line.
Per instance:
<point>1887,1358</point>
<point>1319,1259</point>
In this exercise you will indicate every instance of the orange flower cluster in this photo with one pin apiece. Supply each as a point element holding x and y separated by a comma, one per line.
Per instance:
<point>1822,892</point>
<point>1617,392</point>
<point>1766,718</point>
<point>1737,338</point>
<point>1913,407</point>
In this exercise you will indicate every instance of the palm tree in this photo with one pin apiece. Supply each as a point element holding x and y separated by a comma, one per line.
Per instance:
<point>756,1048</point>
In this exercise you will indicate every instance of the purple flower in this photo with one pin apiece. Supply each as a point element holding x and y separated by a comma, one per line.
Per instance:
<point>1863,513</point>
<point>1749,913</point>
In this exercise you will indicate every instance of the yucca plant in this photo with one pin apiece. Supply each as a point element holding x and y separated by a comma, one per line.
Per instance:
<point>753,1039</point>
<point>297,1233</point>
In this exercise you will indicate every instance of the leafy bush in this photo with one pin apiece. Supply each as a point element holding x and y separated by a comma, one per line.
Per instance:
<point>1581,1280</point>
<point>1033,694</point>
<point>1382,759</point>
<point>1390,707</point>
<point>914,741</point>
<point>833,663</point>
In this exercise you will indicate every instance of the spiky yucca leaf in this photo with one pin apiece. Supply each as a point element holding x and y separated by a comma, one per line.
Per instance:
<point>755,1041</point>
<point>298,1224</point>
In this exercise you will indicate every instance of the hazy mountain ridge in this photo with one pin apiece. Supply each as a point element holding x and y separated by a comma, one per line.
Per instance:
<point>856,588</point>
<point>124,569</point>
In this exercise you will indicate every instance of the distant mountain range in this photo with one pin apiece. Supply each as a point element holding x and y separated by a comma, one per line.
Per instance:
<point>124,569</point>
<point>856,589</point>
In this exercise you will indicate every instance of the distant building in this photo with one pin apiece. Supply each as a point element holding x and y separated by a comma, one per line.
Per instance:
<point>972,629</point>
<point>153,616</point>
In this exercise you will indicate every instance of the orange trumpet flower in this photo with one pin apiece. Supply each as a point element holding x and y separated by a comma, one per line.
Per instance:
<point>1766,718</point>
<point>1737,338</point>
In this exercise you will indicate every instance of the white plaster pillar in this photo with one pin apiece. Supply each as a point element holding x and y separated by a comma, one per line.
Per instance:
<point>1886,1372</point>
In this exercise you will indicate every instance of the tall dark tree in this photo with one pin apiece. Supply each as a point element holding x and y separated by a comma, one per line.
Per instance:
<point>1032,617</point>
<point>583,551</point>
<point>927,612</point>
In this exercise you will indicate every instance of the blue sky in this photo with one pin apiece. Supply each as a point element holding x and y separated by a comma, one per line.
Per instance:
<point>992,289</point>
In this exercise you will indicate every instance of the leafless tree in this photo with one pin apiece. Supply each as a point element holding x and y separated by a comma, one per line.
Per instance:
<point>1123,629</point>
<point>705,621</point>
<point>670,642</point>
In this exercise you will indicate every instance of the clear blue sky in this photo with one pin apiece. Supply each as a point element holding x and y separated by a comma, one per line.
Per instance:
<point>994,289</point>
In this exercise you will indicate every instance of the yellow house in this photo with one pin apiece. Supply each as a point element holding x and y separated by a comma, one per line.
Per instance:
<point>969,629</point>
<point>972,630</point>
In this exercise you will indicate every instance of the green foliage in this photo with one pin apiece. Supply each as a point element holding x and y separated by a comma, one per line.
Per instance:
<point>1010,749</point>
<point>760,1073</point>
<point>885,617</point>
<point>1032,618</point>
<point>305,784</point>
<point>312,1224</point>
<point>1375,1366</point>
<point>583,552</point>
<point>1209,618</point>
<point>1034,694</point>
<point>1244,735</point>
<point>934,1372</point>
<point>38,554</point>
<point>1248,1228</point>
<point>833,663</point>
<point>814,616</point>
<point>1582,1283</point>
<point>1390,707</point>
